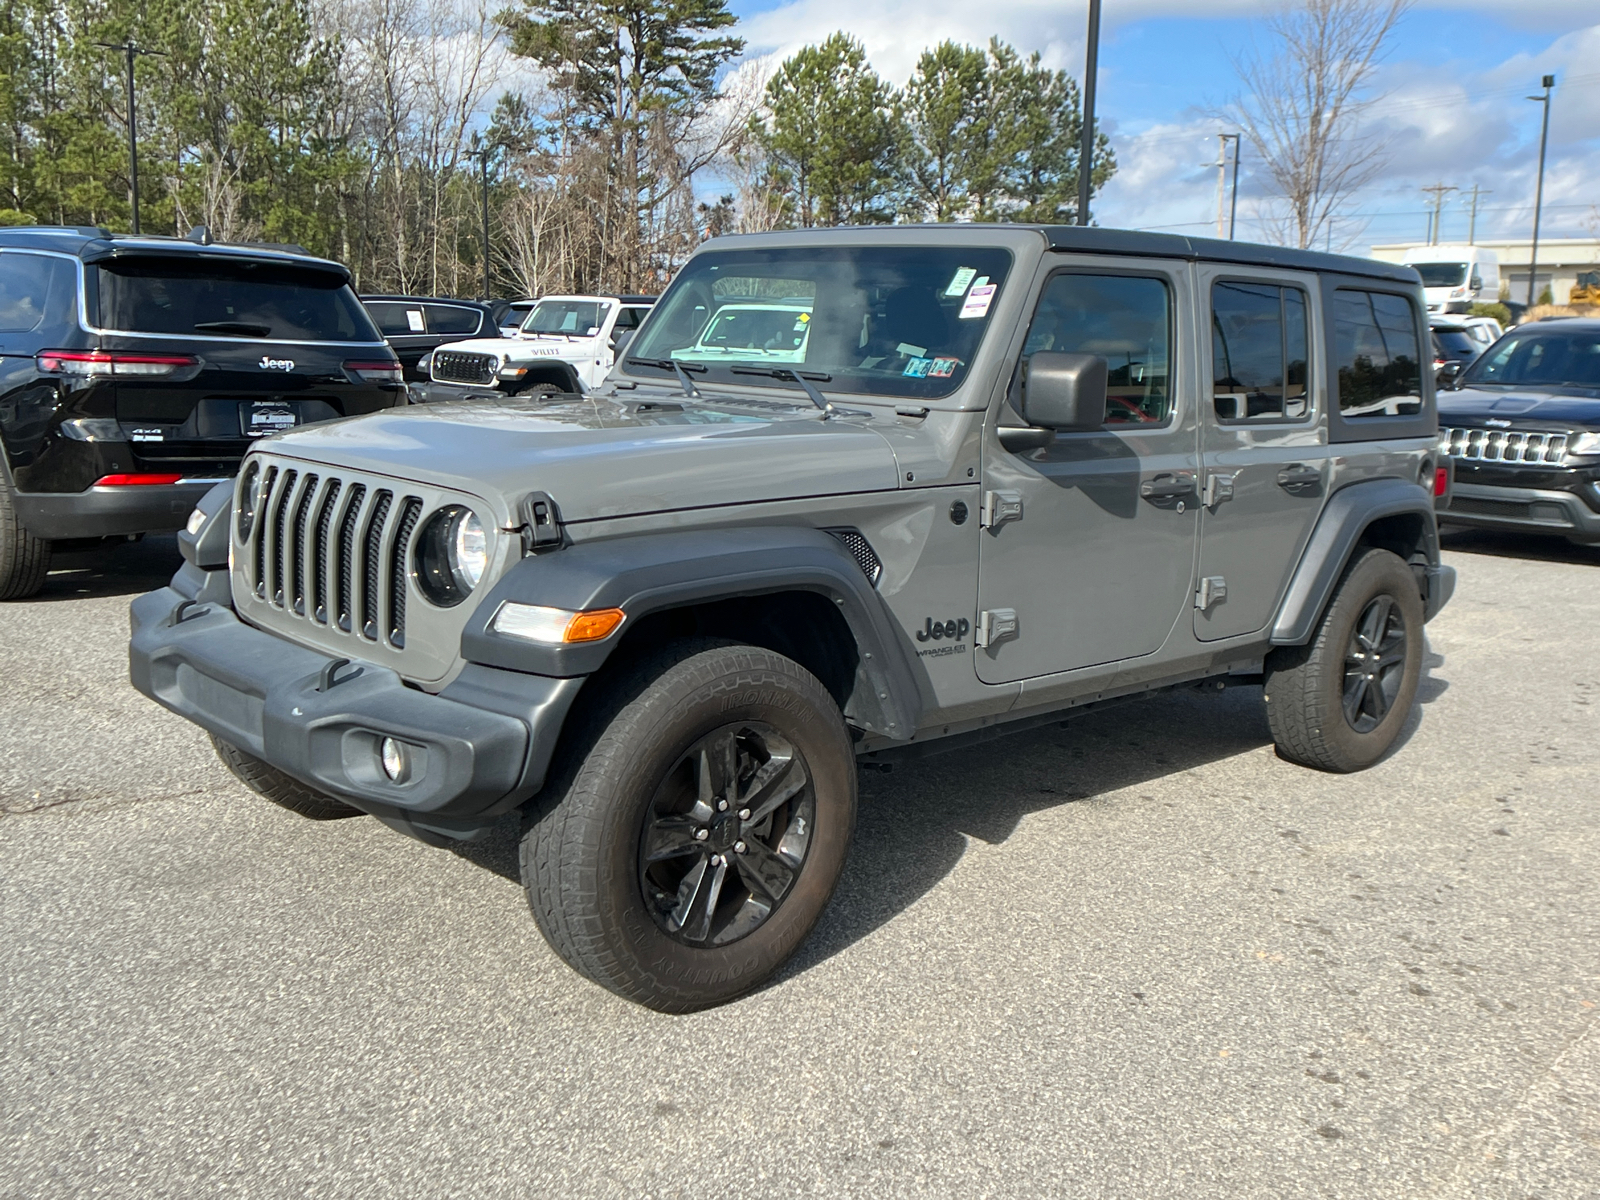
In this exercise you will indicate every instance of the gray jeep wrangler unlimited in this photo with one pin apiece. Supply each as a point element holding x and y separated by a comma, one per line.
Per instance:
<point>921,486</point>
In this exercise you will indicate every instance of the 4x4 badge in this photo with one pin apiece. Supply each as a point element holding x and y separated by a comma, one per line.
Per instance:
<point>276,364</point>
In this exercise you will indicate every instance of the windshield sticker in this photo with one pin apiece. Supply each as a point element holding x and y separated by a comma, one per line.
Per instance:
<point>910,351</point>
<point>960,280</point>
<point>414,320</point>
<point>943,368</point>
<point>978,301</point>
<point>917,368</point>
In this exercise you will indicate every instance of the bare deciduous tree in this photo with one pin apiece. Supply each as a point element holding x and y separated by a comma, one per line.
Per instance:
<point>1305,97</point>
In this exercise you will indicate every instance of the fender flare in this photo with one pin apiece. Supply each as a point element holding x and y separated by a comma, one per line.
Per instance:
<point>647,573</point>
<point>1344,519</point>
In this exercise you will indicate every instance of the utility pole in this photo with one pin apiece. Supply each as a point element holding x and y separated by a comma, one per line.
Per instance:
<point>1538,195</point>
<point>1091,68</point>
<point>1222,175</point>
<point>1233,202</point>
<point>132,51</point>
<point>1438,191</point>
<point>482,153</point>
<point>1472,226</point>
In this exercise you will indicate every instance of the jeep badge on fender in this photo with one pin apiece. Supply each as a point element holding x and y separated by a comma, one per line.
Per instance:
<point>672,682</point>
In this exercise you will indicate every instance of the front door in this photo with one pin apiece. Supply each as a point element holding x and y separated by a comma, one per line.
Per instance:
<point>1088,554</point>
<point>1264,450</point>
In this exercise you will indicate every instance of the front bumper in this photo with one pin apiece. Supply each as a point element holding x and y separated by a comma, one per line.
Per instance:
<point>110,511</point>
<point>1533,510</point>
<point>428,392</point>
<point>478,748</point>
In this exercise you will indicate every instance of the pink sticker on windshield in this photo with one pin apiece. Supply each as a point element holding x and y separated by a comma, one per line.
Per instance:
<point>978,301</point>
<point>943,368</point>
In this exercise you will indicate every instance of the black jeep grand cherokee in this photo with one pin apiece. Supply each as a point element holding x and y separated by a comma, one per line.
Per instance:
<point>1523,426</point>
<point>136,371</point>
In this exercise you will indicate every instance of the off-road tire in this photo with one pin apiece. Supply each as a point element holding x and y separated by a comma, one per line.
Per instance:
<point>266,780</point>
<point>24,559</point>
<point>1305,685</point>
<point>581,851</point>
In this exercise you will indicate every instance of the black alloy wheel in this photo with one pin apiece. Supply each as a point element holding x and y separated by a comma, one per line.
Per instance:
<point>1374,664</point>
<point>726,834</point>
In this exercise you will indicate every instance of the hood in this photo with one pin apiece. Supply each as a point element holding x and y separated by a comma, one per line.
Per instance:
<point>599,458</point>
<point>1520,408</point>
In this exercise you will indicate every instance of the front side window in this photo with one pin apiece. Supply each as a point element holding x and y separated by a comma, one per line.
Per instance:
<point>209,298</point>
<point>1377,348</point>
<point>1548,359</point>
<point>875,320</point>
<point>574,318</point>
<point>1258,352</point>
<point>1126,320</point>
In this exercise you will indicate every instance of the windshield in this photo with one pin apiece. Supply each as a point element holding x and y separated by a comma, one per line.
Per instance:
<point>1553,359</point>
<point>878,320</point>
<point>245,299</point>
<point>1442,274</point>
<point>580,318</point>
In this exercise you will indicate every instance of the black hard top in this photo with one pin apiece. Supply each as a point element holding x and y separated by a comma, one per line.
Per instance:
<point>478,304</point>
<point>1094,240</point>
<point>1091,239</point>
<point>93,245</point>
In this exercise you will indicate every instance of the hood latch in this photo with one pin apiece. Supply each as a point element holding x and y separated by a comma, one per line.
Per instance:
<point>541,522</point>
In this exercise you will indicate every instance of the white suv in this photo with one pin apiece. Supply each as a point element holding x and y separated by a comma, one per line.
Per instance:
<point>566,344</point>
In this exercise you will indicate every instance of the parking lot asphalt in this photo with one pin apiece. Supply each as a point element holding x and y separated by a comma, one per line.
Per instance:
<point>1135,956</point>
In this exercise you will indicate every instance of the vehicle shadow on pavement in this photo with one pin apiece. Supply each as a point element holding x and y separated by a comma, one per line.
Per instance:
<point>914,825</point>
<point>1529,547</point>
<point>121,569</point>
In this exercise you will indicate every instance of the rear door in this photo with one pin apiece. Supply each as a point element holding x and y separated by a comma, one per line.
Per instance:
<point>254,347</point>
<point>1264,447</point>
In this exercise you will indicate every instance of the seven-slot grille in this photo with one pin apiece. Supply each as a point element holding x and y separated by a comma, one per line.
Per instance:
<point>463,366</point>
<point>1505,446</point>
<point>334,552</point>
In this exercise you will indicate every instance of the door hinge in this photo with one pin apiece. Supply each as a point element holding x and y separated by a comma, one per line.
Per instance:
<point>995,625</point>
<point>1212,589</point>
<point>1000,507</point>
<point>1219,487</point>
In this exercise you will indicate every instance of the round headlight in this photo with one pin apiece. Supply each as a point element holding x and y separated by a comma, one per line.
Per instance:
<point>452,553</point>
<point>249,500</point>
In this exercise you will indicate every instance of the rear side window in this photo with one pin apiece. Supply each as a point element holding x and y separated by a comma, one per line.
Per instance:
<point>1258,352</point>
<point>1127,321</point>
<point>629,318</point>
<point>451,318</point>
<point>1377,349</point>
<point>28,284</point>
<point>208,298</point>
<point>396,318</point>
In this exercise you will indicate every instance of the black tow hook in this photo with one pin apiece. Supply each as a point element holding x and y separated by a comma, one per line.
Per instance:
<point>184,610</point>
<point>327,679</point>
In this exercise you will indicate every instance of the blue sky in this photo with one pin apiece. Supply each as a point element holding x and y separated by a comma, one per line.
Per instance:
<point>1449,100</point>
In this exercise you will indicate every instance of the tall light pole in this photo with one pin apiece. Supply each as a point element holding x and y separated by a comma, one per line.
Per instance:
<point>1538,195</point>
<point>132,51</point>
<point>482,153</point>
<point>1086,151</point>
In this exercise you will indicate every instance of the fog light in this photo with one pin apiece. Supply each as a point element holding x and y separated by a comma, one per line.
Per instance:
<point>396,758</point>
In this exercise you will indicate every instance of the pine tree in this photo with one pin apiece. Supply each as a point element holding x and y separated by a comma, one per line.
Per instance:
<point>834,131</point>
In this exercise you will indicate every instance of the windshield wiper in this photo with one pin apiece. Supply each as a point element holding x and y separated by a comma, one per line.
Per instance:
<point>245,328</point>
<point>672,364</point>
<point>817,397</point>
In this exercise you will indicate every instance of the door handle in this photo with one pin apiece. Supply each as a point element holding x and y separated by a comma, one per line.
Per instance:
<point>1298,475</point>
<point>1164,486</point>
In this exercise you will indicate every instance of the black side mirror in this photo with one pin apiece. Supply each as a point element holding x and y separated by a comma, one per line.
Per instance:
<point>1064,391</point>
<point>621,337</point>
<point>1449,375</point>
